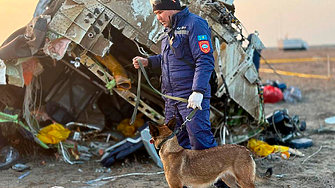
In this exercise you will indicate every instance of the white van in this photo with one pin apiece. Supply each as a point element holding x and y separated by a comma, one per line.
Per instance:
<point>292,44</point>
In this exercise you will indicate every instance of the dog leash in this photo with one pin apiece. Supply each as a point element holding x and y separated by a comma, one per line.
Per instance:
<point>137,100</point>
<point>166,96</point>
<point>188,118</point>
<point>177,131</point>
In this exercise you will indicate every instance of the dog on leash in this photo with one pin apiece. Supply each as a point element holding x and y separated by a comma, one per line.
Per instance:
<point>201,168</point>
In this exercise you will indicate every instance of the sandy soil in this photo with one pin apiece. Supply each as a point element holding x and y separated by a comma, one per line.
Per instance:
<point>318,103</point>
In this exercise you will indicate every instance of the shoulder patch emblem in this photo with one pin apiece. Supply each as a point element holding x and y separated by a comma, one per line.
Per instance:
<point>202,37</point>
<point>204,46</point>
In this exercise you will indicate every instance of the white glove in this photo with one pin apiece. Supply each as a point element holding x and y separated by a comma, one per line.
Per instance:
<point>195,99</point>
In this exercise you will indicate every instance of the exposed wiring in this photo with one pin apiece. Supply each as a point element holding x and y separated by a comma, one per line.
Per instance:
<point>312,155</point>
<point>274,125</point>
<point>65,154</point>
<point>141,50</point>
<point>30,101</point>
<point>269,65</point>
<point>243,37</point>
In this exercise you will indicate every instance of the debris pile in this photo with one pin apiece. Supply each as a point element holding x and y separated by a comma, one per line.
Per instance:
<point>68,82</point>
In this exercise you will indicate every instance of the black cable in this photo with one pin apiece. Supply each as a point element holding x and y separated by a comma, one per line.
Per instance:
<point>274,125</point>
<point>269,65</point>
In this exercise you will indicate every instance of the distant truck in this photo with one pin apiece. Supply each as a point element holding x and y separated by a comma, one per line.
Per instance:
<point>292,44</point>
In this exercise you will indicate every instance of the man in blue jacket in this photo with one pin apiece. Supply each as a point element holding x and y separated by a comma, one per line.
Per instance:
<point>189,36</point>
<point>187,62</point>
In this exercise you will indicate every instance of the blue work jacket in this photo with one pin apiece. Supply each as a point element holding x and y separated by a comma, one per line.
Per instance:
<point>190,38</point>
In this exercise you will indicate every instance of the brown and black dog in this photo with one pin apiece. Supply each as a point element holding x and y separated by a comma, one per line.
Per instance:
<point>201,168</point>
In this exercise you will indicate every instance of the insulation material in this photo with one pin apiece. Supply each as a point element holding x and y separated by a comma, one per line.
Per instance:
<point>15,74</point>
<point>119,74</point>
<point>31,68</point>
<point>57,48</point>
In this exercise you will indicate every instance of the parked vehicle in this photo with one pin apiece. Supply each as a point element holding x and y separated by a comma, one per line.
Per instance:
<point>292,44</point>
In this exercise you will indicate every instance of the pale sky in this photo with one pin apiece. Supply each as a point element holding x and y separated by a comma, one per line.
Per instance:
<point>310,20</point>
<point>15,14</point>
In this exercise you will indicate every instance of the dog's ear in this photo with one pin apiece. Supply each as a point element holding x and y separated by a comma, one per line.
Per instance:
<point>153,129</point>
<point>172,123</point>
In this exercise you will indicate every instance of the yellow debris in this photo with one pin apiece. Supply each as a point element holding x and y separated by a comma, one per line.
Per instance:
<point>130,130</point>
<point>53,134</point>
<point>263,149</point>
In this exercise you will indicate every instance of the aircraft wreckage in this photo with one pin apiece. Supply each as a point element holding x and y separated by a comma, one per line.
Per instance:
<point>72,64</point>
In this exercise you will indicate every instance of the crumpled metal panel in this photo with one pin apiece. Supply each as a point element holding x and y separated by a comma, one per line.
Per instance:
<point>60,23</point>
<point>40,7</point>
<point>88,18</point>
<point>138,13</point>
<point>139,20</point>
<point>94,6</point>
<point>104,18</point>
<point>101,46</point>
<point>118,23</point>
<point>75,33</point>
<point>71,11</point>
<point>125,94</point>
<point>251,75</point>
<point>129,32</point>
<point>227,33</point>
<point>83,23</point>
<point>26,41</point>
<point>237,67</point>
<point>241,90</point>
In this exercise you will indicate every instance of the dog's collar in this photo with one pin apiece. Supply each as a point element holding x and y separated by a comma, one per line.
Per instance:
<point>167,138</point>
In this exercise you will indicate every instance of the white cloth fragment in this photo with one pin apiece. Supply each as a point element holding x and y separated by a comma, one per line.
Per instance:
<point>2,73</point>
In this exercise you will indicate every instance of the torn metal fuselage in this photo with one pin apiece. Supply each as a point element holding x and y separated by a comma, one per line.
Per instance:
<point>101,27</point>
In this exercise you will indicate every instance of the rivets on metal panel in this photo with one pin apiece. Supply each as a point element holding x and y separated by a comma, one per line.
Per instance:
<point>100,22</point>
<point>96,29</point>
<point>91,35</point>
<point>90,15</point>
<point>96,11</point>
<point>106,17</point>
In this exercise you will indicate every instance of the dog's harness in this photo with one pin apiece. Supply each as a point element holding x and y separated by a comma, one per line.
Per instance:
<point>177,131</point>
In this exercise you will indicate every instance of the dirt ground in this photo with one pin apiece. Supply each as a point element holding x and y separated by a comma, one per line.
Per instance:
<point>315,169</point>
